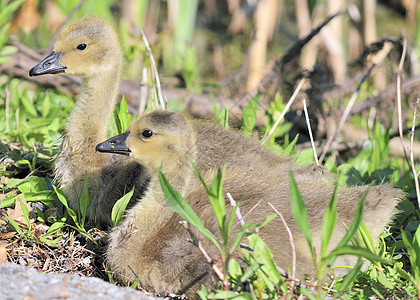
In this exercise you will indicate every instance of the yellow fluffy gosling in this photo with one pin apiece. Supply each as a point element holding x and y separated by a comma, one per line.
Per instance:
<point>90,48</point>
<point>151,244</point>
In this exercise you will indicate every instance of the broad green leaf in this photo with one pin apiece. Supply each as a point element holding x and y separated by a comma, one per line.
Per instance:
<point>249,115</point>
<point>32,184</point>
<point>28,105</point>
<point>120,206</point>
<point>121,116</point>
<point>5,59</point>
<point>265,257</point>
<point>8,50</point>
<point>235,270</point>
<point>385,282</point>
<point>45,197</point>
<point>54,228</point>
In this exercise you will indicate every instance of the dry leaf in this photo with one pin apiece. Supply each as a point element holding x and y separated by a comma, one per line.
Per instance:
<point>16,213</point>
<point>3,254</point>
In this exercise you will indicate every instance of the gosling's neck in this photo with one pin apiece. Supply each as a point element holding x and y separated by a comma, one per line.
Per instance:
<point>179,171</point>
<point>88,122</point>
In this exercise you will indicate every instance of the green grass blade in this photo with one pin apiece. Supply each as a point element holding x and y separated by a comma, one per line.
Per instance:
<point>63,200</point>
<point>84,201</point>
<point>350,277</point>
<point>413,250</point>
<point>249,115</point>
<point>8,10</point>
<point>120,206</point>
<point>356,222</point>
<point>365,238</point>
<point>179,205</point>
<point>300,214</point>
<point>13,223</point>
<point>329,221</point>
<point>236,242</point>
<point>361,252</point>
<point>121,116</point>
<point>54,228</point>
<point>25,212</point>
<point>224,118</point>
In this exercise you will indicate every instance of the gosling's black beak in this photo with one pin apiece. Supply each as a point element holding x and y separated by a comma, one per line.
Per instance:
<point>49,65</point>
<point>115,145</point>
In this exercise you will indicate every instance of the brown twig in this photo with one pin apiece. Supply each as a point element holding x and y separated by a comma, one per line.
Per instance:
<point>292,243</point>
<point>413,168</point>
<point>298,45</point>
<point>196,242</point>
<point>345,115</point>
<point>399,109</point>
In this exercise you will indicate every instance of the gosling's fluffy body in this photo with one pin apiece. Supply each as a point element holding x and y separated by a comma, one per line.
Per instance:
<point>100,66</point>
<point>151,243</point>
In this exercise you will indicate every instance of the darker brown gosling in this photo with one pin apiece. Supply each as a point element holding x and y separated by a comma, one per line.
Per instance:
<point>151,244</point>
<point>90,48</point>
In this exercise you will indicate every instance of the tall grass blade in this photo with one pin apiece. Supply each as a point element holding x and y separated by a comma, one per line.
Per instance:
<point>119,207</point>
<point>84,201</point>
<point>25,212</point>
<point>350,277</point>
<point>249,115</point>
<point>330,220</point>
<point>179,205</point>
<point>300,214</point>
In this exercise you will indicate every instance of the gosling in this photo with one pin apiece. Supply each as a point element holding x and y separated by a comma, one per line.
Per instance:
<point>150,243</point>
<point>90,48</point>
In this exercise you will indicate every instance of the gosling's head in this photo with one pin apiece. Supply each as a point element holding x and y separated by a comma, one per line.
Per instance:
<point>86,47</point>
<point>160,138</point>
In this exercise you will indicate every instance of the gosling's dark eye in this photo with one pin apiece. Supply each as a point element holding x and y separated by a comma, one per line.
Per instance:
<point>81,47</point>
<point>147,133</point>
